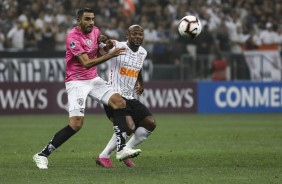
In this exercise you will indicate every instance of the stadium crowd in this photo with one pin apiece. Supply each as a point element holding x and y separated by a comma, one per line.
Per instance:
<point>228,25</point>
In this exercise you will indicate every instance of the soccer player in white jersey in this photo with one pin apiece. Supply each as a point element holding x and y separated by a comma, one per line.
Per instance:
<point>126,77</point>
<point>82,80</point>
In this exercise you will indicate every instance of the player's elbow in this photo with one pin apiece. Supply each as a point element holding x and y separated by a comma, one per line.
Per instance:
<point>87,65</point>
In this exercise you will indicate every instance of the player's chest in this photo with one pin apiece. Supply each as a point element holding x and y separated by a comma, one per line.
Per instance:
<point>90,46</point>
<point>132,60</point>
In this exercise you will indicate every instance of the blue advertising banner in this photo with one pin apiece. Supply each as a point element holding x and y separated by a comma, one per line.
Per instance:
<point>239,97</point>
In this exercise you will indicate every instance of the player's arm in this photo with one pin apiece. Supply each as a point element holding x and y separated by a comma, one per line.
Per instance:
<point>139,87</point>
<point>105,44</point>
<point>88,63</point>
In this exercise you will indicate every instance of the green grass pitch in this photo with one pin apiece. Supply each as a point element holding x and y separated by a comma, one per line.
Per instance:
<point>185,148</point>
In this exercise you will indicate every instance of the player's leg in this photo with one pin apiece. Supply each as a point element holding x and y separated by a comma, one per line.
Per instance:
<point>118,104</point>
<point>103,158</point>
<point>105,94</point>
<point>146,125</point>
<point>112,144</point>
<point>76,98</point>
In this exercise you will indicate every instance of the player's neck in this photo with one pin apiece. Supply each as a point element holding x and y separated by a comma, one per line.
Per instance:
<point>134,49</point>
<point>80,30</point>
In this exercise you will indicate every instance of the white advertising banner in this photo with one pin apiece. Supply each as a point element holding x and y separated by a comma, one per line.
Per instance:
<point>264,65</point>
<point>49,70</point>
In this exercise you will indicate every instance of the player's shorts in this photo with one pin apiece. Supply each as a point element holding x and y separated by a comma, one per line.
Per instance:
<point>78,91</point>
<point>134,108</point>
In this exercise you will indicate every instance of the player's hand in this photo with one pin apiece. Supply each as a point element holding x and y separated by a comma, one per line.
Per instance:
<point>139,89</point>
<point>103,39</point>
<point>109,45</point>
<point>117,52</point>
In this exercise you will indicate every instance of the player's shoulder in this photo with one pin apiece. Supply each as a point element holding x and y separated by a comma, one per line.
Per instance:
<point>95,29</point>
<point>73,33</point>
<point>142,50</point>
<point>121,44</point>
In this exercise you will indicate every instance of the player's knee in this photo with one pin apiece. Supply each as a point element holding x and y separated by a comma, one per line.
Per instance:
<point>130,125</point>
<point>130,129</point>
<point>76,123</point>
<point>121,103</point>
<point>149,123</point>
<point>117,102</point>
<point>153,124</point>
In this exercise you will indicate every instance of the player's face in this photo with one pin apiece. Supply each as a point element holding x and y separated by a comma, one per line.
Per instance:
<point>136,36</point>
<point>87,22</point>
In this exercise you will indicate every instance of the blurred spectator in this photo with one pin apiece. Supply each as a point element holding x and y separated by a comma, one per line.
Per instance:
<point>49,15</point>
<point>150,38</point>
<point>268,36</point>
<point>253,41</point>
<point>121,29</point>
<point>222,18</point>
<point>2,40</point>
<point>177,45</point>
<point>127,7</point>
<point>16,36</point>
<point>39,21</point>
<point>280,39</point>
<point>205,46</point>
<point>223,39</point>
<point>171,8</point>
<point>60,15</point>
<point>205,41</point>
<point>144,21</point>
<point>60,37</point>
<point>161,47</point>
<point>48,37</point>
<point>237,40</point>
<point>111,30</point>
<point>30,42</point>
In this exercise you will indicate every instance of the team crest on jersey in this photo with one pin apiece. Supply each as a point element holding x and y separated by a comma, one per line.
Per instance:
<point>72,44</point>
<point>89,42</point>
<point>80,101</point>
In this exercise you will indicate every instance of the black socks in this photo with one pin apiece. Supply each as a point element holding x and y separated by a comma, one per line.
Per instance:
<point>64,134</point>
<point>59,138</point>
<point>120,127</point>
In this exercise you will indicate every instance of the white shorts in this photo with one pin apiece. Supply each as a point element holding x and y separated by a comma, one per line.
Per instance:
<point>78,91</point>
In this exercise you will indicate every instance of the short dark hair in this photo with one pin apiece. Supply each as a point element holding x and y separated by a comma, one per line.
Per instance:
<point>80,12</point>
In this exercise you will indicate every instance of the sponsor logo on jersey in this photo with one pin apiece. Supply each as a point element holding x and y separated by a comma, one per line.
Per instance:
<point>128,72</point>
<point>72,44</point>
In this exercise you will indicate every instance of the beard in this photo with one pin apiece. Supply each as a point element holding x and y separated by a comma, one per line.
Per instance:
<point>87,29</point>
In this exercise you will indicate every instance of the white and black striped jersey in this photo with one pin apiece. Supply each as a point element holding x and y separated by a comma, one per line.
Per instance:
<point>125,68</point>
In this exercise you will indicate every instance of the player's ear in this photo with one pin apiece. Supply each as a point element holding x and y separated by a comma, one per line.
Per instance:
<point>78,20</point>
<point>127,35</point>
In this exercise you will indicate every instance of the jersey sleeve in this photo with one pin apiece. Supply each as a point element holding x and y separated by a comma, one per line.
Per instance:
<point>74,44</point>
<point>144,52</point>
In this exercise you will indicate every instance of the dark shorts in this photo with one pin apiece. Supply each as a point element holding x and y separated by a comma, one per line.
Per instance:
<point>134,108</point>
